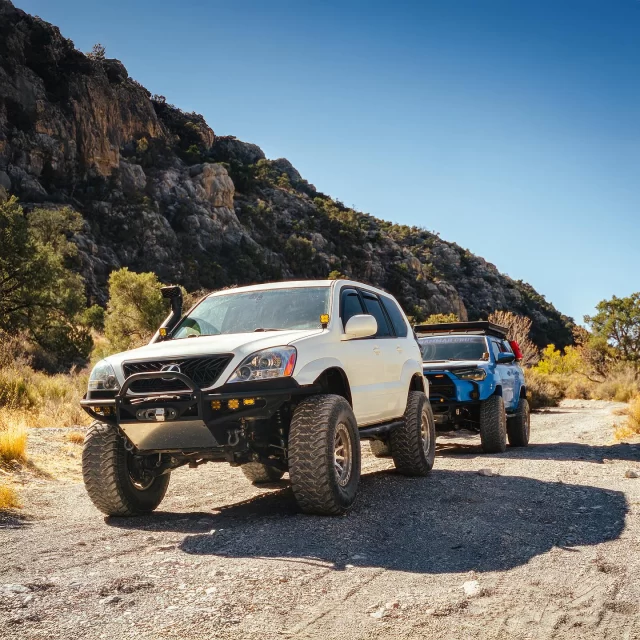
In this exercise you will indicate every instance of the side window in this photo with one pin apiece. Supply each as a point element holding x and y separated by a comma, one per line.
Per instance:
<point>397,319</point>
<point>495,348</point>
<point>506,347</point>
<point>374,307</point>
<point>349,305</point>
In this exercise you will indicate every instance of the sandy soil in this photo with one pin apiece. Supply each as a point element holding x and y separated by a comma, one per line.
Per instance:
<point>548,547</point>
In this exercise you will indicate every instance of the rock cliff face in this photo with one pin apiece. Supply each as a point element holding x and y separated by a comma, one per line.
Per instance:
<point>158,191</point>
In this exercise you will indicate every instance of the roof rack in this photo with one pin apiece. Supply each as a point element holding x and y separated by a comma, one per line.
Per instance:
<point>480,327</point>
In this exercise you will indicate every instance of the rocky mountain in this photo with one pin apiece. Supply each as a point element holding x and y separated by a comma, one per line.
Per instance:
<point>159,191</point>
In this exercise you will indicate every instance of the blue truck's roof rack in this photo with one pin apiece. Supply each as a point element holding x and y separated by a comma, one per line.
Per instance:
<point>479,327</point>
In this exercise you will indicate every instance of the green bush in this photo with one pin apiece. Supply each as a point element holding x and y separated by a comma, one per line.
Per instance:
<point>541,390</point>
<point>40,294</point>
<point>135,310</point>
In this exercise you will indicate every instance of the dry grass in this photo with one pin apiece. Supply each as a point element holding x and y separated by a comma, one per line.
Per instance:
<point>13,444</point>
<point>8,498</point>
<point>75,437</point>
<point>34,399</point>
<point>631,427</point>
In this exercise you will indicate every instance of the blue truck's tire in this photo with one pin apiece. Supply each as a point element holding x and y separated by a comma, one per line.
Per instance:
<point>519,425</point>
<point>413,444</point>
<point>108,477</point>
<point>493,425</point>
<point>258,473</point>
<point>380,449</point>
<point>318,426</point>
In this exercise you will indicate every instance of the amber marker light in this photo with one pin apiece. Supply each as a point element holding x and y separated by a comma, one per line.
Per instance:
<point>248,402</point>
<point>216,405</point>
<point>233,404</point>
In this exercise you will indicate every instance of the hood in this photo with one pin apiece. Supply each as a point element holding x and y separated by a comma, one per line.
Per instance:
<point>240,344</point>
<point>449,365</point>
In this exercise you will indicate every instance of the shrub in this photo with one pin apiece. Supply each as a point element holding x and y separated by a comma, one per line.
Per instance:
<point>13,444</point>
<point>135,310</point>
<point>8,498</point>
<point>437,318</point>
<point>39,293</point>
<point>541,390</point>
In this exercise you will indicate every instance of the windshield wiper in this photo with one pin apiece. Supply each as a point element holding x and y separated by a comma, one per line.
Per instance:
<point>261,329</point>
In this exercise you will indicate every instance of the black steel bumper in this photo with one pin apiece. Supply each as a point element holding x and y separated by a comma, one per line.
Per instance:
<point>193,419</point>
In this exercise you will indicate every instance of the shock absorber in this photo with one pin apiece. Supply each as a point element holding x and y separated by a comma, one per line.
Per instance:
<point>281,432</point>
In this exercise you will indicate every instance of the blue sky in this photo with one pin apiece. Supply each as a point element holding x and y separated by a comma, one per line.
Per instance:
<point>511,127</point>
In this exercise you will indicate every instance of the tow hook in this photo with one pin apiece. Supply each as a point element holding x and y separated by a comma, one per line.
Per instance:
<point>234,437</point>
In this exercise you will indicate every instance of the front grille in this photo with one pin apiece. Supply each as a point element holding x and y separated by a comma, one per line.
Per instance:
<point>203,370</point>
<point>441,387</point>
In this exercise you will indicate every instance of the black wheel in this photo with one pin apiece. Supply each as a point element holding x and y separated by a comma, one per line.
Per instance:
<point>413,445</point>
<point>324,455</point>
<point>519,426</point>
<point>493,425</point>
<point>259,473</point>
<point>380,449</point>
<point>115,481</point>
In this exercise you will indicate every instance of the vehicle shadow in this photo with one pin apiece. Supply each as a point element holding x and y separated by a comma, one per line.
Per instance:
<point>447,522</point>
<point>561,451</point>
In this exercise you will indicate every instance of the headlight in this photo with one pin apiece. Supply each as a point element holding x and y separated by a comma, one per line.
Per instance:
<point>277,362</point>
<point>103,378</point>
<point>471,374</point>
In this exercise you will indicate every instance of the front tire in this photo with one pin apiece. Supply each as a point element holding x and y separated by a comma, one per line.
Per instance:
<point>114,484</point>
<point>413,445</point>
<point>493,425</point>
<point>259,473</point>
<point>519,426</point>
<point>324,455</point>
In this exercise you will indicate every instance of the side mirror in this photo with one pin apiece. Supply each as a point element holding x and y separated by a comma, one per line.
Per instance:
<point>360,326</point>
<point>505,358</point>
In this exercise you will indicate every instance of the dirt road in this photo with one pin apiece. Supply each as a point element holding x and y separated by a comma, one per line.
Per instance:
<point>547,548</point>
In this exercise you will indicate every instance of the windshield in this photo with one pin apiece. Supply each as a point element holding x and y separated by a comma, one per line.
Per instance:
<point>269,309</point>
<point>453,348</point>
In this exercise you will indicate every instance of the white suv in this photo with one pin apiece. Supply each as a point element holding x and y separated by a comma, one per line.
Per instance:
<point>287,376</point>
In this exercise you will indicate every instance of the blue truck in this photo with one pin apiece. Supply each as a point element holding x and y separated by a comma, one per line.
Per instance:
<point>476,382</point>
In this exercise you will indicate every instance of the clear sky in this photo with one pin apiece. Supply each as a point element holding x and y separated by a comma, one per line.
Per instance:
<point>511,127</point>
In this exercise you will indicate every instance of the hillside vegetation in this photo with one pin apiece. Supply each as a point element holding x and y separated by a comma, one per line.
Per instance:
<point>158,191</point>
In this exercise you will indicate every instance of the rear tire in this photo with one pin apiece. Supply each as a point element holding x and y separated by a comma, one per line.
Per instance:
<point>110,477</point>
<point>259,473</point>
<point>519,426</point>
<point>493,425</point>
<point>380,449</point>
<point>324,455</point>
<point>413,445</point>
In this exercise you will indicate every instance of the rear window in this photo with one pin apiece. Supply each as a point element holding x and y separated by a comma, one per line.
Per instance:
<point>374,307</point>
<point>397,319</point>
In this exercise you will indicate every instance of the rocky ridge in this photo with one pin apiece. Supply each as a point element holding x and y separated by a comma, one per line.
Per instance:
<point>159,191</point>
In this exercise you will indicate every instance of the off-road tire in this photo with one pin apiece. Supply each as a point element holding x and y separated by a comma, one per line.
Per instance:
<point>380,449</point>
<point>493,425</point>
<point>414,450</point>
<point>259,473</point>
<point>312,442</point>
<point>106,475</point>
<point>519,425</point>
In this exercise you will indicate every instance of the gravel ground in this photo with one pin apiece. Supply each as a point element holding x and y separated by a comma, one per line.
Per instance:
<point>545,546</point>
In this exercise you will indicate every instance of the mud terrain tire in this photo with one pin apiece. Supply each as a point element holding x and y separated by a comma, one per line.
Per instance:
<point>324,455</point>
<point>519,426</point>
<point>107,477</point>
<point>493,425</point>
<point>413,445</point>
<point>259,473</point>
<point>380,449</point>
